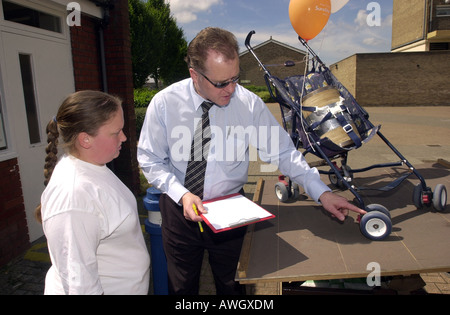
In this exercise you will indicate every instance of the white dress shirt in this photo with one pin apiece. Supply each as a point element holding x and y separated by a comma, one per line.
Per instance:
<point>245,123</point>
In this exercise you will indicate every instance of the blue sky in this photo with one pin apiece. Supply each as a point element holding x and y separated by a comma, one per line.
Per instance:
<point>346,32</point>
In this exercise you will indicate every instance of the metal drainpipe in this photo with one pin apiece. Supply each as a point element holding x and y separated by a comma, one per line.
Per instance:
<point>102,58</point>
<point>106,6</point>
<point>101,32</point>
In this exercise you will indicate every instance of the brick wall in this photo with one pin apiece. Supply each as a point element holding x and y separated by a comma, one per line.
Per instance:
<point>345,72</point>
<point>86,56</point>
<point>88,75</point>
<point>13,225</point>
<point>397,79</point>
<point>270,54</point>
<point>120,82</point>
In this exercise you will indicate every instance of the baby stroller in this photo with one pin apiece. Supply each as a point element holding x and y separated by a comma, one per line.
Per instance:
<point>324,119</point>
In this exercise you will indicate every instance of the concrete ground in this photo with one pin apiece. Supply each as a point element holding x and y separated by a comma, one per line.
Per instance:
<point>421,134</point>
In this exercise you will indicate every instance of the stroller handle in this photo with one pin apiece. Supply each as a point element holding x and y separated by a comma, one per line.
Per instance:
<point>247,40</point>
<point>250,48</point>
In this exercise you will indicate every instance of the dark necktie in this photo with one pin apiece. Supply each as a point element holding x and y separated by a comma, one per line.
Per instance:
<point>195,172</point>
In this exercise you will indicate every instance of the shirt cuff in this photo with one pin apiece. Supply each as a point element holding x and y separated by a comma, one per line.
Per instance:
<point>176,191</point>
<point>316,189</point>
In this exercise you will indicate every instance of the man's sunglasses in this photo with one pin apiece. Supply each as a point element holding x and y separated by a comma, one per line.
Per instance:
<point>221,85</point>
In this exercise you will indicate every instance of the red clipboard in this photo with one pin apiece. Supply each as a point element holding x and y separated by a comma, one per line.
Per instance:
<point>233,211</point>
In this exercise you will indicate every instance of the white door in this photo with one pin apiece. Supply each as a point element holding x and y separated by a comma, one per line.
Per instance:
<point>37,74</point>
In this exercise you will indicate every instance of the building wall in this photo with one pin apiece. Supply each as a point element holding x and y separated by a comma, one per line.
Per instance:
<point>397,79</point>
<point>13,224</point>
<point>87,73</point>
<point>86,56</point>
<point>416,26</point>
<point>438,23</point>
<point>119,81</point>
<point>408,23</point>
<point>272,55</point>
<point>345,72</point>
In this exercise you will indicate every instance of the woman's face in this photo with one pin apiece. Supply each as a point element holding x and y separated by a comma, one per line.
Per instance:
<point>106,145</point>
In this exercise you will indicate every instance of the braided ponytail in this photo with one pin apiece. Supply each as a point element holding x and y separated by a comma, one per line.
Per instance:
<point>51,159</point>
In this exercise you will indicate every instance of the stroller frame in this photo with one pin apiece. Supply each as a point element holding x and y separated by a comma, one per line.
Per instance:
<point>376,224</point>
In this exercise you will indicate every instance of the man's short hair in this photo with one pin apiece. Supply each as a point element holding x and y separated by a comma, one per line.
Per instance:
<point>211,38</point>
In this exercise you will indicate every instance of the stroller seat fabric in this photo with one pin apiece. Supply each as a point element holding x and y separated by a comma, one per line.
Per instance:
<point>327,111</point>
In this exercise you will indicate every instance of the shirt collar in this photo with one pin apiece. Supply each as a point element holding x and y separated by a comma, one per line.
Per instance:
<point>196,98</point>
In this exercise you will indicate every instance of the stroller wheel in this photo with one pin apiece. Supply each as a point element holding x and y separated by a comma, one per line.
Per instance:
<point>295,189</point>
<point>346,174</point>
<point>379,208</point>
<point>440,197</point>
<point>417,196</point>
<point>333,179</point>
<point>281,192</point>
<point>375,225</point>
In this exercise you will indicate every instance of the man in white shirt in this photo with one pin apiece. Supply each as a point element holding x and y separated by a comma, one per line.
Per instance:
<point>239,119</point>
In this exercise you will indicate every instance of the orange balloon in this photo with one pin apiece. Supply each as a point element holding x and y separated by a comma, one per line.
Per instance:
<point>309,17</point>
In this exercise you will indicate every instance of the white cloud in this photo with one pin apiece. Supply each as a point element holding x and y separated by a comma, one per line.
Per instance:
<point>361,18</point>
<point>185,17</point>
<point>185,11</point>
<point>372,41</point>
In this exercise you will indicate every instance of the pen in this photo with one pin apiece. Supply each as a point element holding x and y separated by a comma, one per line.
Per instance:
<point>196,212</point>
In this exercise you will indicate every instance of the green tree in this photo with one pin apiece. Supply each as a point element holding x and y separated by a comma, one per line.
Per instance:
<point>157,43</point>
<point>145,32</point>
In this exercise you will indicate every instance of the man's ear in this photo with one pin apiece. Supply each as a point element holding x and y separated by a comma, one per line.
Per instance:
<point>194,74</point>
<point>84,140</point>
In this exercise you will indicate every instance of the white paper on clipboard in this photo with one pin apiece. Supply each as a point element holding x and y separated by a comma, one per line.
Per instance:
<point>233,211</point>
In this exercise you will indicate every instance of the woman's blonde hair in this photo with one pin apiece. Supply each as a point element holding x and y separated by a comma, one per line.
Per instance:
<point>83,111</point>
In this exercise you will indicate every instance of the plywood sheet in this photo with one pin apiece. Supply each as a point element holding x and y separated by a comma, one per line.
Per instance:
<point>304,243</point>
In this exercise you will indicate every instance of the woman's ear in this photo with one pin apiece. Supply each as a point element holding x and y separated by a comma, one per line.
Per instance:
<point>84,140</point>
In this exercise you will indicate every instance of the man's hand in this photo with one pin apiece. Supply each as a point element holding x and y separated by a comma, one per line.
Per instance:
<point>337,205</point>
<point>188,200</point>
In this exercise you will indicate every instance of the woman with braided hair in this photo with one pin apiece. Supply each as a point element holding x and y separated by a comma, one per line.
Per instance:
<point>89,216</point>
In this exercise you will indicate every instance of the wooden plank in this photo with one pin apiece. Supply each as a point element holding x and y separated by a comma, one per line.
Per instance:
<point>247,243</point>
<point>302,243</point>
<point>444,163</point>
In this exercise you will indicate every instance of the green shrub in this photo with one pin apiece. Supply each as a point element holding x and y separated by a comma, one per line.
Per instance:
<point>265,96</point>
<point>143,96</point>
<point>255,89</point>
<point>140,116</point>
<point>261,91</point>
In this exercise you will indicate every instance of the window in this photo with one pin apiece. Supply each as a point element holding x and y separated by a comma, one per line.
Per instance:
<point>438,46</point>
<point>30,99</point>
<point>19,14</point>
<point>442,10</point>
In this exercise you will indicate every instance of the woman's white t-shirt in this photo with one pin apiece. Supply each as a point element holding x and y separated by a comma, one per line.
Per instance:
<point>93,233</point>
